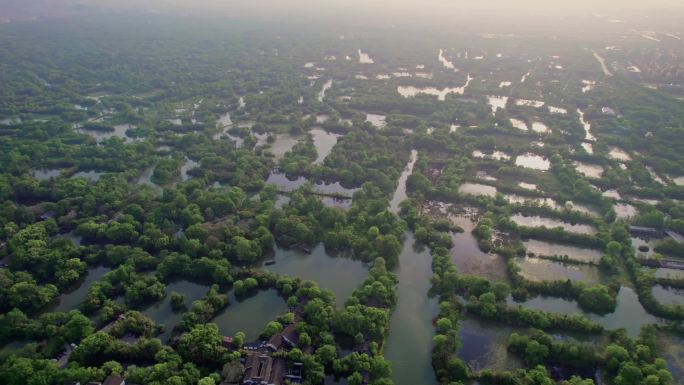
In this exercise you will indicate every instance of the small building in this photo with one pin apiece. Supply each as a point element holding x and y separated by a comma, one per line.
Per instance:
<point>288,338</point>
<point>259,370</point>
<point>295,373</point>
<point>647,231</point>
<point>260,346</point>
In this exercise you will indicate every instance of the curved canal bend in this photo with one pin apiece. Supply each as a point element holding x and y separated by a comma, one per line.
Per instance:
<point>409,345</point>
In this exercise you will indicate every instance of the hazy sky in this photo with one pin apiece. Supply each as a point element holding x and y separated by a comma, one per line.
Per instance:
<point>445,11</point>
<point>389,5</point>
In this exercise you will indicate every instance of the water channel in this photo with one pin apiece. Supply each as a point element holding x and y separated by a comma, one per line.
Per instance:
<point>411,322</point>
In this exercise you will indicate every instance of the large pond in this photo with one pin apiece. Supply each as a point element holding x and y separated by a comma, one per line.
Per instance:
<point>536,269</point>
<point>92,176</point>
<point>497,155</point>
<point>589,170</point>
<point>161,311</point>
<point>529,103</point>
<point>628,314</point>
<point>46,174</point>
<point>477,189</point>
<point>540,127</point>
<point>537,221</point>
<point>665,272</point>
<point>119,131</point>
<point>557,110</point>
<point>538,247</point>
<point>250,315</point>
<point>365,58</point>
<point>342,275</point>
<point>533,161</point>
<point>283,144</point>
<point>467,256</point>
<point>284,184</point>
<point>484,176</point>
<point>586,209</point>
<point>519,124</point>
<point>668,295</point>
<point>411,91</point>
<point>377,120</point>
<point>71,299</point>
<point>625,210</point>
<point>485,345</point>
<point>324,142</point>
<point>334,188</point>
<point>618,154</point>
<point>520,199</point>
<point>411,322</point>
<point>497,102</point>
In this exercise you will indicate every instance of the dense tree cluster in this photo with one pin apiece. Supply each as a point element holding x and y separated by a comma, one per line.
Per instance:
<point>99,129</point>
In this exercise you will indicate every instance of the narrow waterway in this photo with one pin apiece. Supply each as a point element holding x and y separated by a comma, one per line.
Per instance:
<point>409,344</point>
<point>72,298</point>
<point>602,62</point>
<point>400,192</point>
<point>326,86</point>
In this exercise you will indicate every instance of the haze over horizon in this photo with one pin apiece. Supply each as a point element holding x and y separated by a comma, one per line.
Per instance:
<point>410,11</point>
